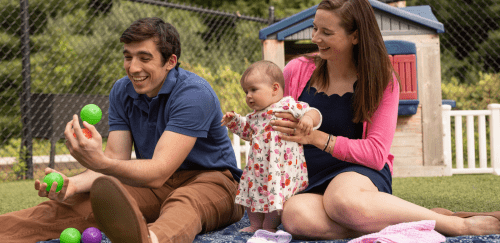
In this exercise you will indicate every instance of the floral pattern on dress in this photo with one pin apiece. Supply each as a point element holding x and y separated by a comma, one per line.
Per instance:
<point>276,169</point>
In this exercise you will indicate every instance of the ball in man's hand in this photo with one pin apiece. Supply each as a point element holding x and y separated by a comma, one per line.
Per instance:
<point>91,113</point>
<point>86,132</point>
<point>51,177</point>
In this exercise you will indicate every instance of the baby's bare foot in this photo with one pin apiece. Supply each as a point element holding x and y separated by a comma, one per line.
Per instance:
<point>249,229</point>
<point>482,225</point>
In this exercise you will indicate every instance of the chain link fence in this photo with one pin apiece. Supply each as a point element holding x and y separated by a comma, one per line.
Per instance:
<point>73,54</point>
<point>57,56</point>
<point>471,42</point>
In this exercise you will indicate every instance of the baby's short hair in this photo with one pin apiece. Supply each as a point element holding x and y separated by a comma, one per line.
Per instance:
<point>269,68</point>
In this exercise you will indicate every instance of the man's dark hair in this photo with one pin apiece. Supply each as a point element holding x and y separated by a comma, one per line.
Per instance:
<point>164,34</point>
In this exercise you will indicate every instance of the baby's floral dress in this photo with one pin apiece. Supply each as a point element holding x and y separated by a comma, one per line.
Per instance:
<point>276,169</point>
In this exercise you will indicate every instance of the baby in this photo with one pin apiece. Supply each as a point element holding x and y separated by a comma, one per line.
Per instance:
<point>275,169</point>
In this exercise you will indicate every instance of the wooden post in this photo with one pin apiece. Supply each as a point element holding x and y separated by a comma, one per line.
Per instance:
<point>274,51</point>
<point>429,92</point>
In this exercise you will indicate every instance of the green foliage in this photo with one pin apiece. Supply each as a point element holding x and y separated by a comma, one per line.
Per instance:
<point>282,8</point>
<point>9,45</point>
<point>473,96</point>
<point>226,84</point>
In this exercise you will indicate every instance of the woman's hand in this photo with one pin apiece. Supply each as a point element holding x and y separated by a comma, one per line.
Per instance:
<point>290,126</point>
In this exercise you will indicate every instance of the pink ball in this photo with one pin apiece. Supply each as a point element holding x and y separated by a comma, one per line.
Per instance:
<point>91,235</point>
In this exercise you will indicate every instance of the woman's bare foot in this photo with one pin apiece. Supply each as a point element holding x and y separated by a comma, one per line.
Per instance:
<point>482,225</point>
<point>249,229</point>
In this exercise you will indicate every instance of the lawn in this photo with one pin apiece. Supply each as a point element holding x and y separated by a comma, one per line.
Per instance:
<point>457,193</point>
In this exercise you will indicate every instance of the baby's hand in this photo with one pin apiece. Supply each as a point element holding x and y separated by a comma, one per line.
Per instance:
<point>227,118</point>
<point>306,124</point>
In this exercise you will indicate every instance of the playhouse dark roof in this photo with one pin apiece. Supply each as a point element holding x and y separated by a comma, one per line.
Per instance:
<point>421,15</point>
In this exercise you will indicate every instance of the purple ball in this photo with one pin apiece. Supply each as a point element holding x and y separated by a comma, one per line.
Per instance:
<point>91,235</point>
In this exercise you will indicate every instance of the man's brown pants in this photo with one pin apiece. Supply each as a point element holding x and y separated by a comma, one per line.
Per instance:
<point>190,202</point>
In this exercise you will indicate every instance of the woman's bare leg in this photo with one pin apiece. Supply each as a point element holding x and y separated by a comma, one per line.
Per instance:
<point>353,201</point>
<point>305,218</point>
<point>271,221</point>
<point>256,220</point>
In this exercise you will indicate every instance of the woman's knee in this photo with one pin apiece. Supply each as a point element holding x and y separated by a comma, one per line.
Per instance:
<point>347,209</point>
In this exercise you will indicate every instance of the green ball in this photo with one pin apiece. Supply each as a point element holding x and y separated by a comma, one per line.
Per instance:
<point>91,113</point>
<point>51,177</point>
<point>70,235</point>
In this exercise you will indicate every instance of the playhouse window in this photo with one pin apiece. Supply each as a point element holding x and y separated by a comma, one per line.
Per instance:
<point>405,66</point>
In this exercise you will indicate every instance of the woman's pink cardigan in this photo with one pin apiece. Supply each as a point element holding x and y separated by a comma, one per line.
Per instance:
<point>373,150</point>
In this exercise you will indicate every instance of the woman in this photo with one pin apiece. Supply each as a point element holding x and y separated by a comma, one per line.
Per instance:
<point>352,83</point>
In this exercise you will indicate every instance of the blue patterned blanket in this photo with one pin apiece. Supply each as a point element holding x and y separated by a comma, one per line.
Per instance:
<point>230,234</point>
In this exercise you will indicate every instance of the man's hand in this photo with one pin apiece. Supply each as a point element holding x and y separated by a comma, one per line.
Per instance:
<point>227,118</point>
<point>87,151</point>
<point>67,191</point>
<point>306,124</point>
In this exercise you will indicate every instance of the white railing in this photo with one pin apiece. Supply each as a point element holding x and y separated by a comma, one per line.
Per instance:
<point>494,124</point>
<point>240,149</point>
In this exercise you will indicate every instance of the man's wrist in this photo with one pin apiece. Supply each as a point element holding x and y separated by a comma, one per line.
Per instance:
<point>108,166</point>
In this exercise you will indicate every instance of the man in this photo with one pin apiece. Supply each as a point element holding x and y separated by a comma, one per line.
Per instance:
<point>185,178</point>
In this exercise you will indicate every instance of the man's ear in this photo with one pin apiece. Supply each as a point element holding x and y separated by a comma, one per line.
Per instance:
<point>171,62</point>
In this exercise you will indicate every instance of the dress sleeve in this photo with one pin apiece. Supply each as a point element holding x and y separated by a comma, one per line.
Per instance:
<point>240,126</point>
<point>373,150</point>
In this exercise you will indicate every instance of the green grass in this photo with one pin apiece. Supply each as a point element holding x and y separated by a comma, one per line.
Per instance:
<point>17,195</point>
<point>457,193</point>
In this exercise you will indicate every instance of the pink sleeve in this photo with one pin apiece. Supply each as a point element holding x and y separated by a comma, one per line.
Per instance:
<point>297,72</point>
<point>288,73</point>
<point>373,151</point>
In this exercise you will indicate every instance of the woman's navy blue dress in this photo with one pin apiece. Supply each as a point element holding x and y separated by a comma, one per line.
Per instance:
<point>337,114</point>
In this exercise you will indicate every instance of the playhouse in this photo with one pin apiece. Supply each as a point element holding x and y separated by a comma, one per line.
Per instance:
<point>411,36</point>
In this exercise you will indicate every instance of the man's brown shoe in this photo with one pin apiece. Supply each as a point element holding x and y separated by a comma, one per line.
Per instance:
<point>117,213</point>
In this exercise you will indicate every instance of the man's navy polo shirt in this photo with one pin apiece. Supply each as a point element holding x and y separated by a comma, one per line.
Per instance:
<point>185,104</point>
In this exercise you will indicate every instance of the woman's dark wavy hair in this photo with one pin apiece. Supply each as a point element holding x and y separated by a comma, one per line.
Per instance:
<point>370,56</point>
<point>164,34</point>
